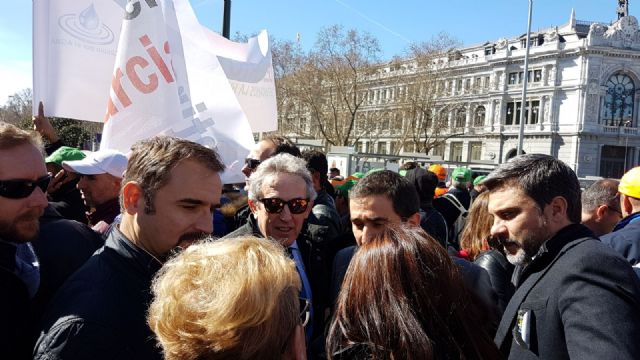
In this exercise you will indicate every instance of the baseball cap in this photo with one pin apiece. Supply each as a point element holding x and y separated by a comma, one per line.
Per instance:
<point>461,174</point>
<point>100,162</point>
<point>439,170</point>
<point>630,183</point>
<point>343,189</point>
<point>65,153</point>
<point>479,179</point>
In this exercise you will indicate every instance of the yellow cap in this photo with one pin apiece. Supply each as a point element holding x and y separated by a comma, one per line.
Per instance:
<point>630,183</point>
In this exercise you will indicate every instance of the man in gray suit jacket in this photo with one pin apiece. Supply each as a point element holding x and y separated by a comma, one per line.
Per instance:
<point>576,298</point>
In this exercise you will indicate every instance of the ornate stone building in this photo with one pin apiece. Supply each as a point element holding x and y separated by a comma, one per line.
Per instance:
<point>583,99</point>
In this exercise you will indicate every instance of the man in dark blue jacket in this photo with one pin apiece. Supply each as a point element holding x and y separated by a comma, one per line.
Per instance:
<point>169,192</point>
<point>625,238</point>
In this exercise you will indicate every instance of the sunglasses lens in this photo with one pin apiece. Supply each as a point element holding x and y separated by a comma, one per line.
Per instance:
<point>19,189</point>
<point>252,163</point>
<point>297,206</point>
<point>273,205</point>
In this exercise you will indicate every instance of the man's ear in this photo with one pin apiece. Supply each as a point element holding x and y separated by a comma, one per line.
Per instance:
<point>559,208</point>
<point>414,219</point>
<point>253,206</point>
<point>601,212</point>
<point>625,205</point>
<point>132,198</point>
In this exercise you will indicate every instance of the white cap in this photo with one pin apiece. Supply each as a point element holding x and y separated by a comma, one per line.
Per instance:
<point>100,162</point>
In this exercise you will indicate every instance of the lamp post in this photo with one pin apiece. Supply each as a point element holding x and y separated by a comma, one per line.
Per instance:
<point>526,82</point>
<point>226,19</point>
<point>626,144</point>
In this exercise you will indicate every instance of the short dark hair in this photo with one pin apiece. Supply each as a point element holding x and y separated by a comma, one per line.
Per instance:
<point>601,192</point>
<point>335,170</point>
<point>542,178</point>
<point>316,161</point>
<point>152,160</point>
<point>283,145</point>
<point>402,193</point>
<point>425,183</point>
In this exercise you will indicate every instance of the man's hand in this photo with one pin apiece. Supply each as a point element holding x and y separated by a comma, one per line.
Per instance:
<point>42,125</point>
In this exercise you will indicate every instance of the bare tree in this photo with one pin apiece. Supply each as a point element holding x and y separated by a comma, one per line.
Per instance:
<point>328,86</point>
<point>17,109</point>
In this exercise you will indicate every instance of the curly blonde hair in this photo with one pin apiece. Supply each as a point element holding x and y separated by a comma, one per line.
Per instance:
<point>226,299</point>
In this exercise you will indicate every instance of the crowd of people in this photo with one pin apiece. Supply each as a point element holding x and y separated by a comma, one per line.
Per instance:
<point>148,255</point>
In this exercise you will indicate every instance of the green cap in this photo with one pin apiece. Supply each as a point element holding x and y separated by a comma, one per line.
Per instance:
<point>343,189</point>
<point>65,153</point>
<point>358,175</point>
<point>479,179</point>
<point>461,174</point>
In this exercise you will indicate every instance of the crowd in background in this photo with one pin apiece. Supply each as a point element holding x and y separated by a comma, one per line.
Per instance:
<point>147,255</point>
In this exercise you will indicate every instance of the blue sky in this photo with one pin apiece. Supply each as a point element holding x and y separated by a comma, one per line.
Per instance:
<point>395,23</point>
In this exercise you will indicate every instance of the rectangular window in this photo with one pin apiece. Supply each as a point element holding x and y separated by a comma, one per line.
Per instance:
<point>359,146</point>
<point>458,84</point>
<point>408,147</point>
<point>475,151</point>
<point>537,75</point>
<point>487,81</point>
<point>382,148</point>
<point>535,111</point>
<point>513,78</point>
<point>467,84</point>
<point>456,152</point>
<point>508,120</point>
<point>489,50</point>
<point>437,150</point>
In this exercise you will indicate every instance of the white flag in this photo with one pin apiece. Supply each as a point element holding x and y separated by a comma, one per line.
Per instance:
<point>74,47</point>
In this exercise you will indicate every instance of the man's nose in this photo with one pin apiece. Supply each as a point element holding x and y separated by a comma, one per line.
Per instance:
<point>204,222</point>
<point>498,229</point>
<point>38,198</point>
<point>285,214</point>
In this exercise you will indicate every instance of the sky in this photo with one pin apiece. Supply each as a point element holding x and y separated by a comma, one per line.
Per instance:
<point>395,24</point>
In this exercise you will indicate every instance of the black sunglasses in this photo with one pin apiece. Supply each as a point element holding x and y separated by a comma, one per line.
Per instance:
<point>252,163</point>
<point>19,189</point>
<point>276,205</point>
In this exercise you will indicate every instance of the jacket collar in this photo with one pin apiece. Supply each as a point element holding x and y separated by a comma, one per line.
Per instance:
<point>145,262</point>
<point>626,221</point>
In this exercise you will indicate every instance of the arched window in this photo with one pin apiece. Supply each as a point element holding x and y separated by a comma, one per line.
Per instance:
<point>461,118</point>
<point>478,117</point>
<point>618,102</point>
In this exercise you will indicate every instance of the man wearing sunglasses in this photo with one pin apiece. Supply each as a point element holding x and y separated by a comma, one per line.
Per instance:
<point>601,206</point>
<point>281,196</point>
<point>23,183</point>
<point>170,190</point>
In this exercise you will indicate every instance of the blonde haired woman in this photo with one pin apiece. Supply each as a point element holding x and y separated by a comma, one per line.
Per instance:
<point>229,299</point>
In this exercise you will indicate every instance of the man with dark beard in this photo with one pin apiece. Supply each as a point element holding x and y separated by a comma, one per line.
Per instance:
<point>169,192</point>
<point>23,182</point>
<point>575,297</point>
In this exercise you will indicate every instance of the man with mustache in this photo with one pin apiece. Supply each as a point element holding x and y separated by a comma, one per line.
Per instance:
<point>169,192</point>
<point>23,182</point>
<point>575,297</point>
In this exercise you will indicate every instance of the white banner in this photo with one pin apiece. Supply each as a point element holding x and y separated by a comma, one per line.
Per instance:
<point>74,48</point>
<point>154,88</point>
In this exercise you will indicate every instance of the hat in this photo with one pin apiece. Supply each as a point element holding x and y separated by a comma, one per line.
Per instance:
<point>461,174</point>
<point>343,189</point>
<point>439,170</point>
<point>100,162</point>
<point>65,153</point>
<point>630,183</point>
<point>479,179</point>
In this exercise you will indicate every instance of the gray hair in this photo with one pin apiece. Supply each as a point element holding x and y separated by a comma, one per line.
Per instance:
<point>601,192</point>
<point>280,164</point>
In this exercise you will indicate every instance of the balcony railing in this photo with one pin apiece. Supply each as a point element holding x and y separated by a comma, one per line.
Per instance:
<point>619,130</point>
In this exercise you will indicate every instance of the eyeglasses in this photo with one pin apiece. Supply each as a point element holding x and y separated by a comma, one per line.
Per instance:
<point>252,163</point>
<point>305,311</point>
<point>19,189</point>
<point>615,210</point>
<point>276,205</point>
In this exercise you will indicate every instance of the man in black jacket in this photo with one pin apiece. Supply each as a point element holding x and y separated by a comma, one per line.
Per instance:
<point>575,297</point>
<point>281,196</point>
<point>169,192</point>
<point>23,183</point>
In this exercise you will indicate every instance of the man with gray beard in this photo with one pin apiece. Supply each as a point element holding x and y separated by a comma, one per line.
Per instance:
<point>575,298</point>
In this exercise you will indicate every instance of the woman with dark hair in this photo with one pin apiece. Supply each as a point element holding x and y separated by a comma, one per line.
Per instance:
<point>483,250</point>
<point>403,298</point>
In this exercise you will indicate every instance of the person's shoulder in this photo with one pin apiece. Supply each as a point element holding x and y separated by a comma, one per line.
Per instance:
<point>628,234</point>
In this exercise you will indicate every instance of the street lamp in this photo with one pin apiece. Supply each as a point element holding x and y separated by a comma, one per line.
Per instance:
<point>526,81</point>
<point>626,144</point>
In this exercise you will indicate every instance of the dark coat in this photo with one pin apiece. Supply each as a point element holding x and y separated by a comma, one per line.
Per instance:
<point>100,312</point>
<point>314,258</point>
<point>68,202</point>
<point>500,272</point>
<point>577,299</point>
<point>625,238</point>
<point>15,308</point>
